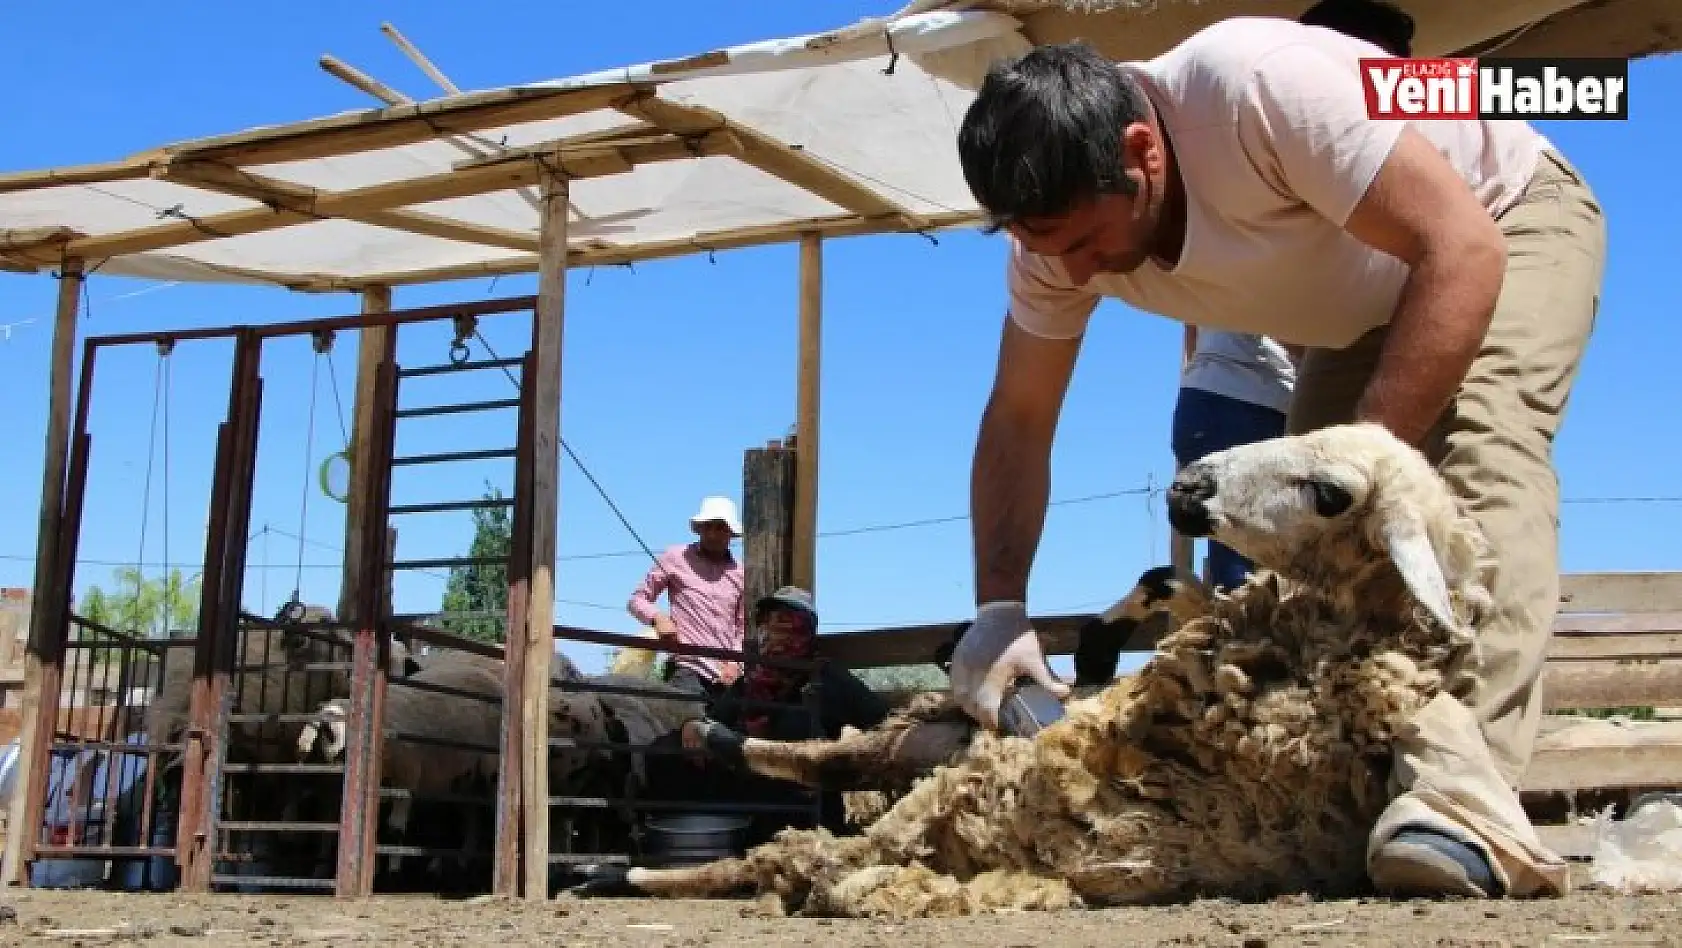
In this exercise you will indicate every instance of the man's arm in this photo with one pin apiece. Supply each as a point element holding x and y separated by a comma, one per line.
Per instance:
<point>1010,481</point>
<point>1305,124</point>
<point>1419,210</point>
<point>642,604</point>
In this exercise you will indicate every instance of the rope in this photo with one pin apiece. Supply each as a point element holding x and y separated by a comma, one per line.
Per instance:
<point>304,503</point>
<point>170,590</point>
<point>333,379</point>
<point>146,488</point>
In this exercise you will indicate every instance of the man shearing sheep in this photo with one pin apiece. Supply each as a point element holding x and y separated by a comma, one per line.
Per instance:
<point>1443,277</point>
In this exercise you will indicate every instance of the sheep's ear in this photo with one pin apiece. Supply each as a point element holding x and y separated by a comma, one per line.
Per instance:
<point>1410,549</point>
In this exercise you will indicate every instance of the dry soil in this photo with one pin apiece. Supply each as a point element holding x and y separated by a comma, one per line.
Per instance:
<point>1586,917</point>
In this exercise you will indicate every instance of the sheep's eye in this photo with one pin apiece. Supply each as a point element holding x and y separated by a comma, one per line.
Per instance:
<point>1330,498</point>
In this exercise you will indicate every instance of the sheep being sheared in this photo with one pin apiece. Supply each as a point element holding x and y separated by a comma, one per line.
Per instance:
<point>931,730</point>
<point>1249,756</point>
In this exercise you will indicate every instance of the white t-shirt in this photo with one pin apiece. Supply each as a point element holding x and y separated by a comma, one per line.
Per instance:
<point>1247,367</point>
<point>1269,126</point>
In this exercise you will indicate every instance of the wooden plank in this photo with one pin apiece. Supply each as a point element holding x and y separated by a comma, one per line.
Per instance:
<point>126,169</point>
<point>608,255</point>
<point>1652,645</point>
<point>916,645</point>
<point>1634,622</point>
<point>808,385</point>
<point>372,129</point>
<point>1568,840</point>
<point>27,801</point>
<point>1630,764</point>
<point>1621,592</point>
<point>545,480</point>
<point>480,177</point>
<point>370,350</point>
<point>1611,684</point>
<point>225,179</point>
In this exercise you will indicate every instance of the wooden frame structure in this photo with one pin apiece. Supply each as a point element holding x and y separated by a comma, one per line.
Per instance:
<point>659,130</point>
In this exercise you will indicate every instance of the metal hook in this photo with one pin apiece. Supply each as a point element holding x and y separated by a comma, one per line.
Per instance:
<point>166,346</point>
<point>322,341</point>
<point>466,326</point>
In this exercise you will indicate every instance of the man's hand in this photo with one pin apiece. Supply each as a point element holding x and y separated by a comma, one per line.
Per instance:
<point>999,648</point>
<point>664,627</point>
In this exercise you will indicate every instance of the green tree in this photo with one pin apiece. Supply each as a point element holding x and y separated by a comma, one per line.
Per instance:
<point>482,588</point>
<point>145,607</point>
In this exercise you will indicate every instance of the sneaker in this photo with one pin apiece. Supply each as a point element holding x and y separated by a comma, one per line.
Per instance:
<point>1422,863</point>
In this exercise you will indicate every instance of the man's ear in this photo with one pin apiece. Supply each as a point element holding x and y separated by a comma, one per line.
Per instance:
<point>1141,143</point>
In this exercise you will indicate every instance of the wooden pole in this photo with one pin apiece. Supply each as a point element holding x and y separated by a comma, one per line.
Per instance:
<point>370,349</point>
<point>1181,548</point>
<point>26,800</point>
<point>767,519</point>
<point>545,507</point>
<point>805,566</point>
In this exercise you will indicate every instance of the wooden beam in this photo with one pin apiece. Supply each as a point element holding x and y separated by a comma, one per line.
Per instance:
<point>1611,683</point>
<point>1621,592</point>
<point>479,177</point>
<point>776,158</point>
<point>805,563</point>
<point>126,169</point>
<point>28,249</point>
<point>370,350</point>
<point>46,607</point>
<point>1638,761</point>
<point>392,127</point>
<point>549,320</point>
<point>768,481</point>
<point>608,255</point>
<point>419,59</point>
<point>226,179</point>
<point>361,80</point>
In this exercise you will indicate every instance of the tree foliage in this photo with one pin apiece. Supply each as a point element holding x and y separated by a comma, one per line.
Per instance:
<point>480,588</point>
<point>144,607</point>
<point>926,677</point>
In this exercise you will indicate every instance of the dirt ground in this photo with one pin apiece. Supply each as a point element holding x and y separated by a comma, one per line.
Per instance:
<point>1587,917</point>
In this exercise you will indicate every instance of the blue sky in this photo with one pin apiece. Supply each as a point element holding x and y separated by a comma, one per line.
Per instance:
<point>673,368</point>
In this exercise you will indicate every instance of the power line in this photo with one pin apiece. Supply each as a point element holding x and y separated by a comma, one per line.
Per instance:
<point>826,534</point>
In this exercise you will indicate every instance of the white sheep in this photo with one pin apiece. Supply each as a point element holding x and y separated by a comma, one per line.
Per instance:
<point>1249,756</point>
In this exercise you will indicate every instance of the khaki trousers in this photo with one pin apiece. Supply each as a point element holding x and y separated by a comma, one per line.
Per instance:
<point>1494,447</point>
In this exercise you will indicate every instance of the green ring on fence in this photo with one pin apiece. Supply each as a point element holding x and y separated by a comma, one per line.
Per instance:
<point>326,478</point>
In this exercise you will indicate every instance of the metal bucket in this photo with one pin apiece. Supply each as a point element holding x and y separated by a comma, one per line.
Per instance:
<point>689,839</point>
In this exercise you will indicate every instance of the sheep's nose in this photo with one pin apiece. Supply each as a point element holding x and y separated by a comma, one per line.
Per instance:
<point>1188,495</point>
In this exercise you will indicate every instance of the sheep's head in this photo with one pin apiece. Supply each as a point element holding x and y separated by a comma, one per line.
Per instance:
<point>1334,508</point>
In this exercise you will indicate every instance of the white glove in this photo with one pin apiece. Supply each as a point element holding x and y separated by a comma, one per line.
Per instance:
<point>999,648</point>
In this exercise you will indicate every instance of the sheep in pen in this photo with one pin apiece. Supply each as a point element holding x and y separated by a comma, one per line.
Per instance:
<point>1251,755</point>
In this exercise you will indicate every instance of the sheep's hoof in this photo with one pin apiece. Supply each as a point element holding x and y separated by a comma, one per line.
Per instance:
<point>603,881</point>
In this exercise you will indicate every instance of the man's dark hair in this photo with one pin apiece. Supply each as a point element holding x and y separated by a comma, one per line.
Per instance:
<point>1379,22</point>
<point>1044,132</point>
